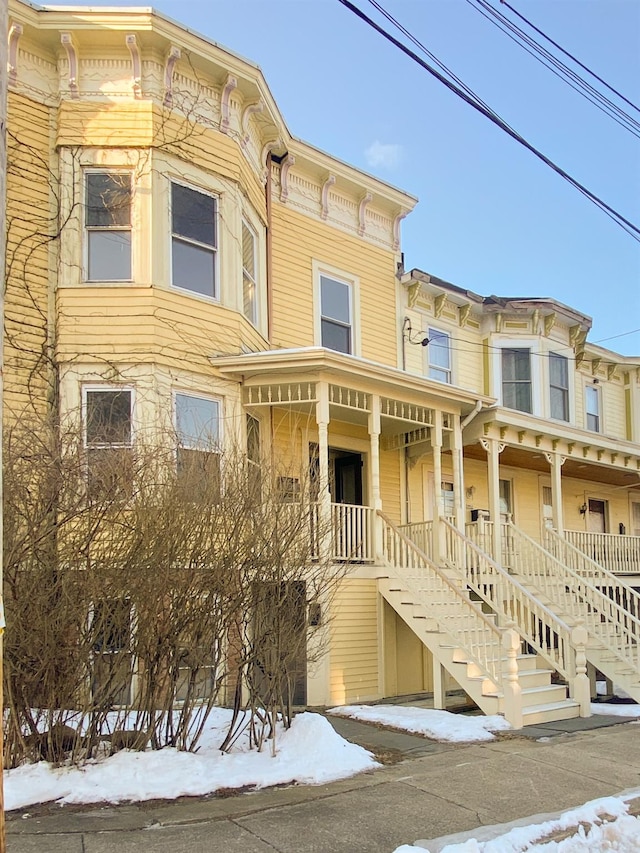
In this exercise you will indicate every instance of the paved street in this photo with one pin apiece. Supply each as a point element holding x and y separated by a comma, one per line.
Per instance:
<point>436,789</point>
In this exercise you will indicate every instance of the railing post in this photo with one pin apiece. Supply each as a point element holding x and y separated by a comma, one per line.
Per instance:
<point>376,500</point>
<point>580,688</point>
<point>511,684</point>
<point>436,446</point>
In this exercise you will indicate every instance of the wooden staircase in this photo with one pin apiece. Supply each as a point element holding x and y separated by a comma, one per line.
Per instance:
<point>485,659</point>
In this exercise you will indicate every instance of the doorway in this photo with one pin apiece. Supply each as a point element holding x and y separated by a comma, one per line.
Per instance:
<point>345,475</point>
<point>597,516</point>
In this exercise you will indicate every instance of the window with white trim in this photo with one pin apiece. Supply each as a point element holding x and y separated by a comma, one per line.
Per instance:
<point>558,386</point>
<point>108,226</point>
<point>336,310</point>
<point>108,439</point>
<point>249,274</point>
<point>448,499</point>
<point>592,407</point>
<point>505,496</point>
<point>194,240</point>
<point>111,625</point>
<point>198,451</point>
<point>516,379</point>
<point>439,355</point>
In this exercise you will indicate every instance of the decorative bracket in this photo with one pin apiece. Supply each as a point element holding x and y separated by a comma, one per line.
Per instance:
<point>72,58</point>
<point>331,179</point>
<point>266,150</point>
<point>595,365</point>
<point>438,304</point>
<point>486,443</point>
<point>535,319</point>
<point>249,110</point>
<point>229,86</point>
<point>463,314</point>
<point>549,323</point>
<point>498,323</point>
<point>414,292</point>
<point>136,64</point>
<point>396,229</point>
<point>551,457</point>
<point>15,31</point>
<point>173,56</point>
<point>364,201</point>
<point>287,163</point>
<point>611,369</point>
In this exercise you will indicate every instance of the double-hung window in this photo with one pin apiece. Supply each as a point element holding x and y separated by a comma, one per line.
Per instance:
<point>559,386</point>
<point>249,274</point>
<point>198,452</point>
<point>336,310</point>
<point>516,379</point>
<point>193,241</point>
<point>592,407</point>
<point>108,438</point>
<point>108,226</point>
<point>439,355</point>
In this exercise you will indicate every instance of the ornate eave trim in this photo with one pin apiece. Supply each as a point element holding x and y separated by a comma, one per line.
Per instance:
<point>66,39</point>
<point>331,179</point>
<point>173,55</point>
<point>225,98</point>
<point>15,31</point>
<point>136,64</point>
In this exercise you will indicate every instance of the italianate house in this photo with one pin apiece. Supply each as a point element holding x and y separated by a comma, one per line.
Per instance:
<point>477,458</point>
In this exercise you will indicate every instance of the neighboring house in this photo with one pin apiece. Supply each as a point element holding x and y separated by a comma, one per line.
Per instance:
<point>212,267</point>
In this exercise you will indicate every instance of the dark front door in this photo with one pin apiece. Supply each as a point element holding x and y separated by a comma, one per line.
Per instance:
<point>348,479</point>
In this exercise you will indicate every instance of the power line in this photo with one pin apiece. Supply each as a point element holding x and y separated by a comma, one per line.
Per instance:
<point>556,66</point>
<point>613,214</point>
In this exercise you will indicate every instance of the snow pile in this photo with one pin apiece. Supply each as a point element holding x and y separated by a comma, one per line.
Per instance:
<point>618,832</point>
<point>310,753</point>
<point>614,709</point>
<point>439,725</point>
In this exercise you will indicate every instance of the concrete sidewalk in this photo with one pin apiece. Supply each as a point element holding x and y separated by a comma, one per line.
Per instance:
<point>437,789</point>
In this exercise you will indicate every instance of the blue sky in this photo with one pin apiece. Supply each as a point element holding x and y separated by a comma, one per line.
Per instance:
<point>491,218</point>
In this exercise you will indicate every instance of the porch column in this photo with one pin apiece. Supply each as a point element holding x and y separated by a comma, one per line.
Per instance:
<point>458,474</point>
<point>494,448</point>
<point>376,497</point>
<point>436,445</point>
<point>324,494</point>
<point>556,461</point>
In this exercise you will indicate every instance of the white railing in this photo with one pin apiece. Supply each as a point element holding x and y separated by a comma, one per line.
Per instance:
<point>575,596</point>
<point>593,571</point>
<point>421,534</point>
<point>542,629</point>
<point>352,533</point>
<point>446,602</point>
<point>617,553</point>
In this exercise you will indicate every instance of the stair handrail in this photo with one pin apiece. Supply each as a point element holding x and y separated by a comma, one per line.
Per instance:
<point>492,666</point>
<point>596,570</point>
<point>534,621</point>
<point>571,591</point>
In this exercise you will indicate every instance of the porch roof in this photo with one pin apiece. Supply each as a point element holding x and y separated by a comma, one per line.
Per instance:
<point>315,364</point>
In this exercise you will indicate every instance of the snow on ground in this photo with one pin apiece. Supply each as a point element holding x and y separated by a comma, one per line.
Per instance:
<point>310,753</point>
<point>615,709</point>
<point>439,725</point>
<point>614,832</point>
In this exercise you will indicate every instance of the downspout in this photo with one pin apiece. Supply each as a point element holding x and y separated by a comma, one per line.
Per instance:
<point>269,270</point>
<point>471,415</point>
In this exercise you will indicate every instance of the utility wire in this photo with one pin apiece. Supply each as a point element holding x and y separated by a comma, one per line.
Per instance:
<point>556,66</point>
<point>570,56</point>
<point>613,214</point>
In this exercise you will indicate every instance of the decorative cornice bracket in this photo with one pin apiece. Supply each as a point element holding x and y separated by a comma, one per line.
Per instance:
<point>438,304</point>
<point>173,56</point>
<point>366,199</point>
<point>136,64</point>
<point>15,31</point>
<point>66,40</point>
<point>249,110</point>
<point>396,229</point>
<point>225,98</point>
<point>549,323</point>
<point>287,163</point>
<point>331,179</point>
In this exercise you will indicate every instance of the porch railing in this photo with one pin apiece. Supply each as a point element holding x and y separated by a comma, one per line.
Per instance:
<point>421,534</point>
<point>615,552</point>
<point>352,533</point>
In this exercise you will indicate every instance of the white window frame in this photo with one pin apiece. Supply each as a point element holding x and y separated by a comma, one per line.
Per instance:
<point>589,386</point>
<point>432,333</point>
<point>128,649</point>
<point>106,387</point>
<point>215,250</point>
<point>533,345</point>
<point>568,389</point>
<point>353,282</point>
<point>88,229</point>
<point>180,392</point>
<point>255,279</point>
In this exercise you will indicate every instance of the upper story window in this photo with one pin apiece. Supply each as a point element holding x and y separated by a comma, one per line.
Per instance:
<point>336,311</point>
<point>108,438</point>
<point>516,379</point>
<point>558,387</point>
<point>439,355</point>
<point>592,407</point>
<point>108,226</point>
<point>198,452</point>
<point>249,274</point>
<point>193,240</point>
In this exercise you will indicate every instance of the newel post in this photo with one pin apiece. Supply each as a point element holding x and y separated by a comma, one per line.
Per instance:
<point>581,686</point>
<point>511,688</point>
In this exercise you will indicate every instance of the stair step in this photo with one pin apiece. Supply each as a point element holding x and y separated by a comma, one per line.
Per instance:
<point>533,697</point>
<point>550,713</point>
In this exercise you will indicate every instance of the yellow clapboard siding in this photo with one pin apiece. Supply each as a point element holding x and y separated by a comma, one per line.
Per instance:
<point>353,644</point>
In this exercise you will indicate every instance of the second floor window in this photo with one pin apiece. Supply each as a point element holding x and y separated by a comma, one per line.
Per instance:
<point>108,438</point>
<point>516,379</point>
<point>193,241</point>
<point>592,407</point>
<point>336,315</point>
<point>439,355</point>
<point>108,226</point>
<point>559,386</point>
<point>249,272</point>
